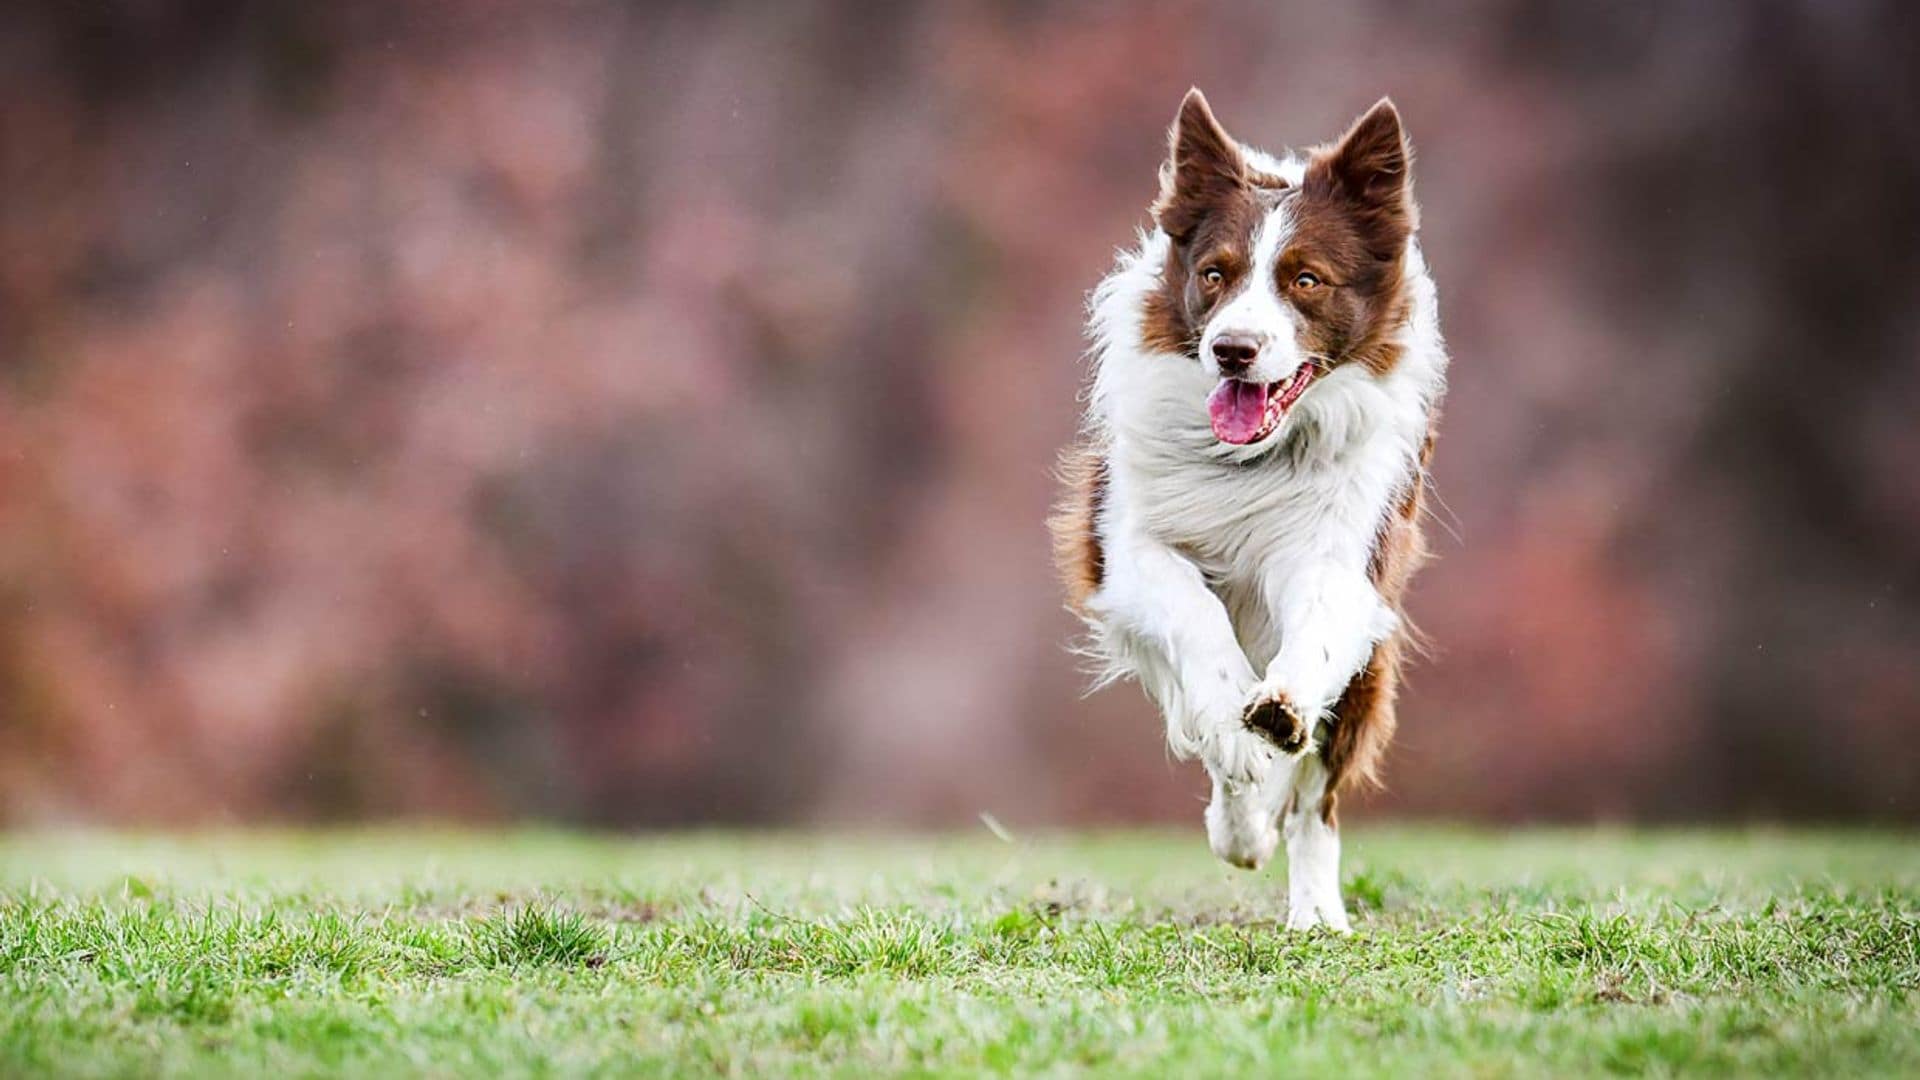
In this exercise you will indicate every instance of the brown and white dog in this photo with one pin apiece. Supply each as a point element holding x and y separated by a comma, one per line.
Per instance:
<point>1243,509</point>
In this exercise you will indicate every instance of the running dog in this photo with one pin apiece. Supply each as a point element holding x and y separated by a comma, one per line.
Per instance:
<point>1243,508</point>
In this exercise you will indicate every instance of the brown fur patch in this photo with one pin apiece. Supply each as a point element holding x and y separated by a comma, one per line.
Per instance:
<point>1365,718</point>
<point>1363,724</point>
<point>1077,553</point>
<point>1163,323</point>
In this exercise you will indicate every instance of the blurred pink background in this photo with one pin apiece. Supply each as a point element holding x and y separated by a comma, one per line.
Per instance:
<point>644,414</point>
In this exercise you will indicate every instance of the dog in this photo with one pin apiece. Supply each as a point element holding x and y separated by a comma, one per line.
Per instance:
<point>1243,507</point>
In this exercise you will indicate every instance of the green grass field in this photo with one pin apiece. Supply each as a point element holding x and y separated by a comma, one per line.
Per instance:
<point>1481,953</point>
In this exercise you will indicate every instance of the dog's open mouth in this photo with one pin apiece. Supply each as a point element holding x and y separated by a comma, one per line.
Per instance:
<point>1245,412</point>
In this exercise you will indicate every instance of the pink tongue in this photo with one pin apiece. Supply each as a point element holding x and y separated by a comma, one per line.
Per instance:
<point>1238,410</point>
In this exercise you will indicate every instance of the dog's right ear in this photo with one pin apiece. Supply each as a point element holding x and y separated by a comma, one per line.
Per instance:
<point>1204,168</point>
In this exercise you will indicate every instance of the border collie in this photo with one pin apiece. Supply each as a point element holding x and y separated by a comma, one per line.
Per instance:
<point>1243,508</point>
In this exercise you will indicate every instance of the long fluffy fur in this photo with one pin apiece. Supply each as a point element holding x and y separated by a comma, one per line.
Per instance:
<point>1350,466</point>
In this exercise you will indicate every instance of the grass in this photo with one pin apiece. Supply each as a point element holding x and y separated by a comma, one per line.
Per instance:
<point>1479,953</point>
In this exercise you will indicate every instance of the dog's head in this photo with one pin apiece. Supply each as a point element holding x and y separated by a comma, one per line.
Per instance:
<point>1269,285</point>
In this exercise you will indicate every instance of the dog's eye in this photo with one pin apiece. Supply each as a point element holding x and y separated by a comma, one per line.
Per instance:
<point>1306,279</point>
<point>1213,276</point>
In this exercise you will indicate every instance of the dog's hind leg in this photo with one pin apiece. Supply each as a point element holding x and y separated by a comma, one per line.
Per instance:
<point>1313,852</point>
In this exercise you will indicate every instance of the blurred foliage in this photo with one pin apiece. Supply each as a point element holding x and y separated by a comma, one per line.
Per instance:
<point>635,413</point>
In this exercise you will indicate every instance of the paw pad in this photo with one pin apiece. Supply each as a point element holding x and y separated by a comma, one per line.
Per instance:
<point>1276,719</point>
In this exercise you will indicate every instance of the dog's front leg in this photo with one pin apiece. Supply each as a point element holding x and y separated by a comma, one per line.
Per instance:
<point>1178,640</point>
<point>1241,817</point>
<point>1330,617</point>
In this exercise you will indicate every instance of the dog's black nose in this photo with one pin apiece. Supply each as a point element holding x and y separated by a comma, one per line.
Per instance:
<point>1235,352</point>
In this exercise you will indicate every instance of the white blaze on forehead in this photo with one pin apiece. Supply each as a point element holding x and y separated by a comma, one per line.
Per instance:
<point>1257,309</point>
<point>1271,239</point>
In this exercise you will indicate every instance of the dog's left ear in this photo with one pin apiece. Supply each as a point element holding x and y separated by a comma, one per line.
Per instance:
<point>1371,166</point>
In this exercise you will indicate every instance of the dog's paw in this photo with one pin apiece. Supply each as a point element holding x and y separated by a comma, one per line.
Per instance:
<point>1313,895</point>
<point>1241,828</point>
<point>1239,837</point>
<point>1332,918</point>
<point>1273,714</point>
